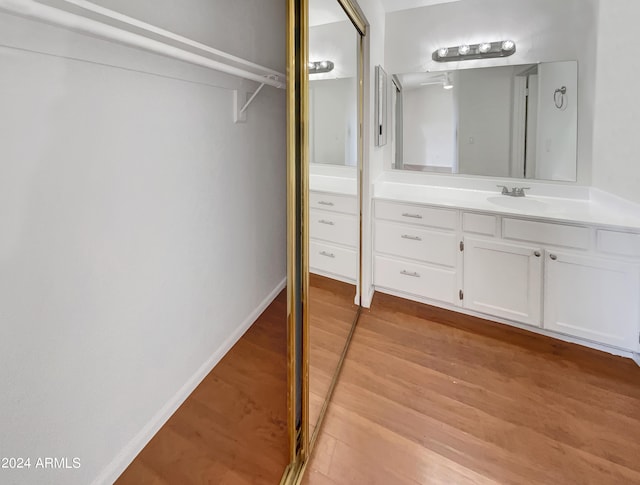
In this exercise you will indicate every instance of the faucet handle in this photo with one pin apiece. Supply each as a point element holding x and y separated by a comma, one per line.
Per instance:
<point>519,191</point>
<point>505,189</point>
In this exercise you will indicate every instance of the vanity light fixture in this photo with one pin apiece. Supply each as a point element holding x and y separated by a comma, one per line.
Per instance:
<point>484,50</point>
<point>319,67</point>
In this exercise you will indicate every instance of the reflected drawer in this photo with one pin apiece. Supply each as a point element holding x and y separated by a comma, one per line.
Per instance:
<point>327,258</point>
<point>413,242</point>
<point>333,227</point>
<point>413,214</point>
<point>416,279</point>
<point>546,233</point>
<point>620,243</point>
<point>339,203</point>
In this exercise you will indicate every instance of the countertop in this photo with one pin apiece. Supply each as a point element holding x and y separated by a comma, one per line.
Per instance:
<point>333,185</point>
<point>581,211</point>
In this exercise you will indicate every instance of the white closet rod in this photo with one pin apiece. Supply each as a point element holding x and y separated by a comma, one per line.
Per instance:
<point>92,7</point>
<point>78,23</point>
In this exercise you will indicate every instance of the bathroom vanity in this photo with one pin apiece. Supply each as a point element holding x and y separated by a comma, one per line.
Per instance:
<point>334,227</point>
<point>569,268</point>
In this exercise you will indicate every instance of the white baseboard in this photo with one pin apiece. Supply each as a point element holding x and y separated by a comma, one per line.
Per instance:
<point>123,459</point>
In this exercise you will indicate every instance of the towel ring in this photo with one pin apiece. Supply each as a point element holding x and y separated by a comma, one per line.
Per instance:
<point>558,98</point>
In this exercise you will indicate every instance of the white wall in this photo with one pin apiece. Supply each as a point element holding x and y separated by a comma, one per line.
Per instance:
<point>429,134</point>
<point>484,99</point>
<point>374,157</point>
<point>617,111</point>
<point>140,229</point>
<point>544,30</point>
<point>556,134</point>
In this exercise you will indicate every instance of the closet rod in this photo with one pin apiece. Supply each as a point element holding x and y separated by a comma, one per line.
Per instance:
<point>92,7</point>
<point>34,10</point>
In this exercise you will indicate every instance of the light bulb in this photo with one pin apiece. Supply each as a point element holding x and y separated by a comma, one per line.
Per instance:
<point>311,65</point>
<point>508,45</point>
<point>443,52</point>
<point>324,64</point>
<point>463,50</point>
<point>484,47</point>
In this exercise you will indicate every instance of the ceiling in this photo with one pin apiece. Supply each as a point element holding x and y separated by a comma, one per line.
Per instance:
<point>323,12</point>
<point>395,5</point>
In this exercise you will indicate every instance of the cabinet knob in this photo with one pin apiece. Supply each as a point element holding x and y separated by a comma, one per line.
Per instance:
<point>553,257</point>
<point>536,254</point>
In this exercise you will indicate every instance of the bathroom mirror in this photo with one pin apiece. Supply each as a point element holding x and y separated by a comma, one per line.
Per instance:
<point>334,208</point>
<point>515,121</point>
<point>333,86</point>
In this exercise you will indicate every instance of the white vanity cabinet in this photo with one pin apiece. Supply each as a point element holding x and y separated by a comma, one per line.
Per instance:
<point>503,279</point>
<point>334,235</point>
<point>571,280</point>
<point>416,251</point>
<point>592,298</point>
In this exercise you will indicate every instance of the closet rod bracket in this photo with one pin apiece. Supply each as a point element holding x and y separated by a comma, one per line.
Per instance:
<point>240,113</point>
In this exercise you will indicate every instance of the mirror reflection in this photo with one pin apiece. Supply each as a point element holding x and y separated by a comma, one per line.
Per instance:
<point>510,121</point>
<point>333,196</point>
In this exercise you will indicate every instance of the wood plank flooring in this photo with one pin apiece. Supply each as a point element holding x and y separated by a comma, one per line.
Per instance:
<point>233,428</point>
<point>428,396</point>
<point>331,314</point>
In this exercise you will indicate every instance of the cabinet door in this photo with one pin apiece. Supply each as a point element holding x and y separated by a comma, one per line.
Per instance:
<point>503,279</point>
<point>592,298</point>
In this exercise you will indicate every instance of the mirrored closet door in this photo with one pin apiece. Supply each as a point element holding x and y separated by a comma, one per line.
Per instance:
<point>334,208</point>
<point>325,44</point>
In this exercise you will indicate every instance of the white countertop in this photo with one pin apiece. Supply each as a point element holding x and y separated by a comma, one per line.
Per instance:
<point>333,185</point>
<point>584,211</point>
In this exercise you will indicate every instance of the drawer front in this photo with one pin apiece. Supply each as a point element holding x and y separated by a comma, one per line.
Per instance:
<point>416,243</point>
<point>424,216</point>
<point>480,224</point>
<point>545,233</point>
<point>339,203</point>
<point>333,227</point>
<point>332,259</point>
<point>416,279</point>
<point>620,243</point>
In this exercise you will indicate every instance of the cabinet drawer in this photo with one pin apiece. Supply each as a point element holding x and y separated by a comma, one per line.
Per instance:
<point>332,259</point>
<point>333,227</point>
<point>416,279</point>
<point>424,216</point>
<point>480,224</point>
<point>416,243</point>
<point>338,203</point>
<point>546,233</point>
<point>620,243</point>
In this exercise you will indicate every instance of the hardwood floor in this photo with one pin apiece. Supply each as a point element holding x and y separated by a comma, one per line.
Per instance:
<point>331,314</point>
<point>233,428</point>
<point>427,396</point>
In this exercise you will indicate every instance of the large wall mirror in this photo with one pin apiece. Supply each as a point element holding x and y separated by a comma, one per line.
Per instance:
<point>507,121</point>
<point>334,206</point>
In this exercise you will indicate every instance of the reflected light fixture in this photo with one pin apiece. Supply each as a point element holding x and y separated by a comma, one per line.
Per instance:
<point>484,50</point>
<point>319,67</point>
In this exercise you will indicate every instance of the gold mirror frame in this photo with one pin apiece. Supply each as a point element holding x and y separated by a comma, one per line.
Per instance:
<point>300,444</point>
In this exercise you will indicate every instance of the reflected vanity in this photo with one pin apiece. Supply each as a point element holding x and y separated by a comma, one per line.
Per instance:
<point>516,121</point>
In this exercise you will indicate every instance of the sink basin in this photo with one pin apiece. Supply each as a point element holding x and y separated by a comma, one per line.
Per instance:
<point>518,203</point>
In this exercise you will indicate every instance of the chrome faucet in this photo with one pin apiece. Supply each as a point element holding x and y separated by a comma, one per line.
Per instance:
<point>514,192</point>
